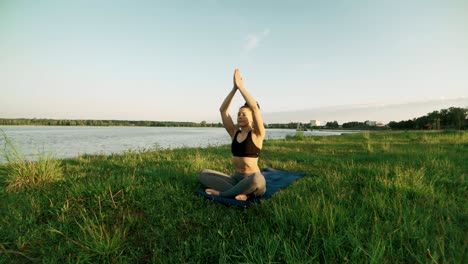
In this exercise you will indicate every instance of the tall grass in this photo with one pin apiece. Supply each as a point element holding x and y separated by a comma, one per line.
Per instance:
<point>23,173</point>
<point>101,238</point>
<point>384,197</point>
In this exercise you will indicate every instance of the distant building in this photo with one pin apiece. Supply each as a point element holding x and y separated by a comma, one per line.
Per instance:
<point>314,123</point>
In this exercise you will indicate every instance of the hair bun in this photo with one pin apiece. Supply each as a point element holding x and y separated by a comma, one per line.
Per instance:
<point>248,105</point>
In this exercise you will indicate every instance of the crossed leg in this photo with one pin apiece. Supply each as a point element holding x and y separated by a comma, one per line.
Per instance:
<point>219,182</point>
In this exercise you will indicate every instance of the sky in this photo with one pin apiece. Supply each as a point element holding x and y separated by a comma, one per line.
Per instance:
<point>174,60</point>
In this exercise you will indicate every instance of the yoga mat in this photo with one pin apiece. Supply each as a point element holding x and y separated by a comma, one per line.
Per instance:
<point>275,181</point>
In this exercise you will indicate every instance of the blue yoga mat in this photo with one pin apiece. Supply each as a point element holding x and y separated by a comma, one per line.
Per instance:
<point>275,181</point>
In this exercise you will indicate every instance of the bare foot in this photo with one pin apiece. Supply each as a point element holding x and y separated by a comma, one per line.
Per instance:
<point>212,192</point>
<point>241,197</point>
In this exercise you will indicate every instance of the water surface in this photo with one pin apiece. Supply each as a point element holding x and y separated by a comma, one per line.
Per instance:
<point>66,142</point>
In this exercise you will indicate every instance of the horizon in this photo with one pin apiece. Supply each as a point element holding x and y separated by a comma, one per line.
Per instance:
<point>301,60</point>
<point>296,115</point>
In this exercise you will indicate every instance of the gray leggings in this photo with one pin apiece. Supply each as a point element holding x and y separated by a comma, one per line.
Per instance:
<point>239,183</point>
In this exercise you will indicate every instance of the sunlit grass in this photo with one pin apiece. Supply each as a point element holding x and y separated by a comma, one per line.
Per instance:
<point>23,173</point>
<point>377,197</point>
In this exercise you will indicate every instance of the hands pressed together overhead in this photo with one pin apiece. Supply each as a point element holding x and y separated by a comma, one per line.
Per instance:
<point>238,82</point>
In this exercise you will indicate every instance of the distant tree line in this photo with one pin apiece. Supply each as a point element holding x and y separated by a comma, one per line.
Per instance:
<point>291,125</point>
<point>362,126</point>
<point>72,122</point>
<point>451,118</point>
<point>328,125</point>
<point>332,125</point>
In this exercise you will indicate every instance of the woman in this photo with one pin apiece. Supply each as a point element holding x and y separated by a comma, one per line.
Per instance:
<point>247,141</point>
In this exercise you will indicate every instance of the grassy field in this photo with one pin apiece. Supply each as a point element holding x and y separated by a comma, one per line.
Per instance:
<point>383,197</point>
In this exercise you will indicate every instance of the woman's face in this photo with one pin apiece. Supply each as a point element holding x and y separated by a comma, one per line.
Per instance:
<point>244,117</point>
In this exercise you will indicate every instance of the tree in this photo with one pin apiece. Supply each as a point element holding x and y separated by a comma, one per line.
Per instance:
<point>457,117</point>
<point>333,124</point>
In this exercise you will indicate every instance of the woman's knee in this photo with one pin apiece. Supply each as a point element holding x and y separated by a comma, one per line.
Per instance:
<point>259,179</point>
<point>202,175</point>
<point>260,183</point>
<point>204,171</point>
<point>208,171</point>
<point>206,175</point>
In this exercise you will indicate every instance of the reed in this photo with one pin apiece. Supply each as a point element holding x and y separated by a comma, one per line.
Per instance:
<point>24,173</point>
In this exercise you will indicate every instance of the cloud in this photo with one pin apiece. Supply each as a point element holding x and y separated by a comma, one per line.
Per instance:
<point>253,40</point>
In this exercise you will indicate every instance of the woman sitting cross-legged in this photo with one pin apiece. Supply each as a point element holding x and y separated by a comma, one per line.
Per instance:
<point>247,141</point>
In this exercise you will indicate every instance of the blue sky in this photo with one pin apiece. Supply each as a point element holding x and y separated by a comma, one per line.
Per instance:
<point>173,60</point>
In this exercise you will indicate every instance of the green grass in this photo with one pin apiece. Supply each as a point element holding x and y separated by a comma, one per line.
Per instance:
<point>384,197</point>
<point>22,173</point>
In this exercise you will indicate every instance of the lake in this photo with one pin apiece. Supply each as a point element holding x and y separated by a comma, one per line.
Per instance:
<point>67,142</point>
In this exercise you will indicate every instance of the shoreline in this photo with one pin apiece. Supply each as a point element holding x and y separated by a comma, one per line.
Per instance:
<point>69,142</point>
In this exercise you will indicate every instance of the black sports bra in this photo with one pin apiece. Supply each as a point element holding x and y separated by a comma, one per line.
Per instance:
<point>245,148</point>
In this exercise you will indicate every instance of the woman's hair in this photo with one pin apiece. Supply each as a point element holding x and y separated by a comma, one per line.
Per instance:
<point>246,105</point>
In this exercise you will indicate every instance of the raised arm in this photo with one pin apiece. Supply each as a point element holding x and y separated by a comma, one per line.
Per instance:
<point>225,116</point>
<point>257,116</point>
